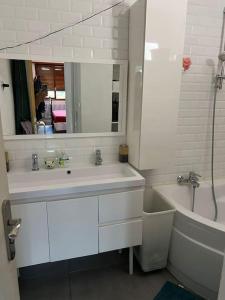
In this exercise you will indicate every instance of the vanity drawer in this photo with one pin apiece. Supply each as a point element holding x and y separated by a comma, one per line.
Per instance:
<point>119,236</point>
<point>120,206</point>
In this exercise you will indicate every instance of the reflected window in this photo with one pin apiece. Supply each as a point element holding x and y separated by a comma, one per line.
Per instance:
<point>51,94</point>
<point>60,95</point>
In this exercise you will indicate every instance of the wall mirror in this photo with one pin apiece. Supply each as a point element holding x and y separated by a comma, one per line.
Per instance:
<point>54,98</point>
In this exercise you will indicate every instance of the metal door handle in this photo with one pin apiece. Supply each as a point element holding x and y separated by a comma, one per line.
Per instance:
<point>15,226</point>
<point>11,228</point>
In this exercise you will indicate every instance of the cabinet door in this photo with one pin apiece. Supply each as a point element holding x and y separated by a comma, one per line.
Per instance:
<point>32,245</point>
<point>154,93</point>
<point>73,228</point>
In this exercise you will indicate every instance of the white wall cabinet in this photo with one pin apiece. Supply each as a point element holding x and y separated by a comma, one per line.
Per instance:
<point>73,228</point>
<point>32,245</point>
<point>155,69</point>
<point>70,228</point>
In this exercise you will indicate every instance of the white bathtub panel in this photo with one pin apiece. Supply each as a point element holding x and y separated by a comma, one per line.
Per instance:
<point>198,243</point>
<point>200,232</point>
<point>191,285</point>
<point>198,262</point>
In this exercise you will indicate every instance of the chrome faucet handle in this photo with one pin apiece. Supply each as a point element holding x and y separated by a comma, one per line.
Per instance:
<point>98,157</point>
<point>35,166</point>
<point>63,155</point>
<point>180,179</point>
<point>193,174</point>
<point>194,179</point>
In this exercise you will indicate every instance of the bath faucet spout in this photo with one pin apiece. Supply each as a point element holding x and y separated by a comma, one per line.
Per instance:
<point>192,179</point>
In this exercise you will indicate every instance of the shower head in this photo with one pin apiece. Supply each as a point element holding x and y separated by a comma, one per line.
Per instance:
<point>222,56</point>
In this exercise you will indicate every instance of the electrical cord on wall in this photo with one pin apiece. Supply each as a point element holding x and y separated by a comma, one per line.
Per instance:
<point>63,28</point>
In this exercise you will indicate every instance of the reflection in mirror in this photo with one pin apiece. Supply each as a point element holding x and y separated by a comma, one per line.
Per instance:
<point>57,97</point>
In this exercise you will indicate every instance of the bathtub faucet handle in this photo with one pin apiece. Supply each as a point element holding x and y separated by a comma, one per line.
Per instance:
<point>193,174</point>
<point>180,179</point>
<point>194,179</point>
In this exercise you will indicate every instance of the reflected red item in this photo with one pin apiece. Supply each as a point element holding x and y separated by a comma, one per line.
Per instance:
<point>59,116</point>
<point>186,63</point>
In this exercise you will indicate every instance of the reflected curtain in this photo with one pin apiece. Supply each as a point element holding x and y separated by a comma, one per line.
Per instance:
<point>20,92</point>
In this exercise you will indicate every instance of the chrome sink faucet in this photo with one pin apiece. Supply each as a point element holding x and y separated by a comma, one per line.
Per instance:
<point>35,166</point>
<point>192,179</point>
<point>98,157</point>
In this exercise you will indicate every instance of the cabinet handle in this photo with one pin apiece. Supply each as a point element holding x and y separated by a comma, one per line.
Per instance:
<point>15,225</point>
<point>11,228</point>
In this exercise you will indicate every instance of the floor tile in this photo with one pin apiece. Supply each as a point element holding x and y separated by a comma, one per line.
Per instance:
<point>116,283</point>
<point>45,289</point>
<point>102,282</point>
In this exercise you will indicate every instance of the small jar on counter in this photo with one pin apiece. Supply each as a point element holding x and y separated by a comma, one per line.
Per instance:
<point>123,153</point>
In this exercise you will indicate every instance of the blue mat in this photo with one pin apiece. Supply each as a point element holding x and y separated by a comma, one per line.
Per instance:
<point>171,291</point>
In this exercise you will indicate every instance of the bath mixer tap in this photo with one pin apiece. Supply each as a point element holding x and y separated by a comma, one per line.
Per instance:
<point>192,179</point>
<point>98,157</point>
<point>35,166</point>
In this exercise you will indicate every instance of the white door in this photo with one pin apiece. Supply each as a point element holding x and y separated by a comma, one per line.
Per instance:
<point>8,276</point>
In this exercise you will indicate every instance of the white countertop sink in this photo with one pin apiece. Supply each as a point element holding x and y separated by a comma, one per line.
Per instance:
<point>47,183</point>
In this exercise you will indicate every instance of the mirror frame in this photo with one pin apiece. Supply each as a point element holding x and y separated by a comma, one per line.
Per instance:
<point>123,112</point>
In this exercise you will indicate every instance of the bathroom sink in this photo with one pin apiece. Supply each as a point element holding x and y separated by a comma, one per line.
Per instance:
<point>33,184</point>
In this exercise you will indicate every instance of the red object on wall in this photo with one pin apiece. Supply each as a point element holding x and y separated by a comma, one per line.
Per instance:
<point>186,63</point>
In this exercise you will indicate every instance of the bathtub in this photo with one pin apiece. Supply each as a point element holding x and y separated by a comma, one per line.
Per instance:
<point>197,242</point>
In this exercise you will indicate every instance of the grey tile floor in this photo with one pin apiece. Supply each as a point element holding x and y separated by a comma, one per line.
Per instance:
<point>105,283</point>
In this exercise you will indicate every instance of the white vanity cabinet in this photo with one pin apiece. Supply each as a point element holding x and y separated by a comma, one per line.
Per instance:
<point>155,69</point>
<point>73,228</point>
<point>55,230</point>
<point>32,245</point>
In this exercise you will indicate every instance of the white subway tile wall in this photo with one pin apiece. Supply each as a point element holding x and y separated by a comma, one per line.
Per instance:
<point>107,37</point>
<point>81,151</point>
<point>24,20</point>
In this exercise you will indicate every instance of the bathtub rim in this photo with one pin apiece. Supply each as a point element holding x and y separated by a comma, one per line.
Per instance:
<point>185,211</point>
